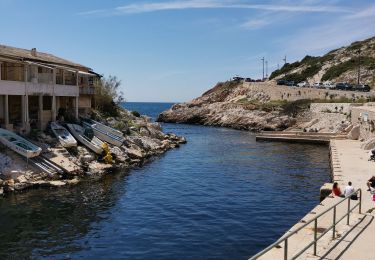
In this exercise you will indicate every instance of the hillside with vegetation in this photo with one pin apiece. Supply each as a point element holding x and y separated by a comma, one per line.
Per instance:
<point>340,65</point>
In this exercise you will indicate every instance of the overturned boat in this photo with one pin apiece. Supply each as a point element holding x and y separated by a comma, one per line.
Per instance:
<point>91,142</point>
<point>105,133</point>
<point>65,138</point>
<point>19,144</point>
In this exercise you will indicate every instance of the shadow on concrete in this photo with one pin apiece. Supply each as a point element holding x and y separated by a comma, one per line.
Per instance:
<point>349,241</point>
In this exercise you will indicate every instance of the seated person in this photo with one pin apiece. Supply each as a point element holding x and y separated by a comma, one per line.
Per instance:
<point>336,190</point>
<point>371,183</point>
<point>348,189</point>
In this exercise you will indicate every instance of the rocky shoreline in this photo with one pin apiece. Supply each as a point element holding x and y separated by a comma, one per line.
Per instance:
<point>260,107</point>
<point>144,140</point>
<point>230,104</point>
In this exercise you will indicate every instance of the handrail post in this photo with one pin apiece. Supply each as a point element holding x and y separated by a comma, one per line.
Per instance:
<point>315,234</point>
<point>286,249</point>
<point>347,219</point>
<point>334,223</point>
<point>360,201</point>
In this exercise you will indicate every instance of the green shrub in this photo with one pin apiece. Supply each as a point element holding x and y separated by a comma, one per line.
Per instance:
<point>295,107</point>
<point>108,96</point>
<point>136,113</point>
<point>285,69</point>
<point>352,64</point>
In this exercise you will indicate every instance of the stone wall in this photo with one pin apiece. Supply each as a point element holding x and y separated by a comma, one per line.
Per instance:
<point>365,117</point>
<point>343,108</point>
<point>276,92</point>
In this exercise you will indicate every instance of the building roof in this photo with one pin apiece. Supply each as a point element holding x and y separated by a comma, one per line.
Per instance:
<point>35,56</point>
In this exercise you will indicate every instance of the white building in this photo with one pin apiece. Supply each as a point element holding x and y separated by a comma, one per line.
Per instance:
<point>37,87</point>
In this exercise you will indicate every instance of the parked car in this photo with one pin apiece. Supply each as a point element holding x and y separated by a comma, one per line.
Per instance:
<point>248,80</point>
<point>290,83</point>
<point>344,86</point>
<point>303,84</point>
<point>362,87</point>
<point>238,78</point>
<point>329,85</point>
<point>281,82</point>
<point>318,85</point>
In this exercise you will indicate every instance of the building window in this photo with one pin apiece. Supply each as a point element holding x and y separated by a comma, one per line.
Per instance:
<point>32,74</point>
<point>70,78</point>
<point>59,76</point>
<point>45,75</point>
<point>12,71</point>
<point>47,103</point>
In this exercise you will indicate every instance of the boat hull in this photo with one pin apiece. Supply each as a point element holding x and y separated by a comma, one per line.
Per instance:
<point>19,144</point>
<point>63,135</point>
<point>105,136</point>
<point>94,144</point>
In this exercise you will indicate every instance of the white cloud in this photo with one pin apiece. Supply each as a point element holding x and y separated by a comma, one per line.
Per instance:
<point>339,32</point>
<point>364,13</point>
<point>255,23</point>
<point>213,4</point>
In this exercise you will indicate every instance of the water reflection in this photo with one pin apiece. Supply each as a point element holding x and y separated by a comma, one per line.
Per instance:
<point>46,222</point>
<point>221,196</point>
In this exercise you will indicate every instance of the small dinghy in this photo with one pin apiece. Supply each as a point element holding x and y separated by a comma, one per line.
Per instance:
<point>93,143</point>
<point>19,144</point>
<point>105,133</point>
<point>65,138</point>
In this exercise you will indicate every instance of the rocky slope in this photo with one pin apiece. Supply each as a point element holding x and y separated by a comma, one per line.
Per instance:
<point>340,65</point>
<point>230,104</point>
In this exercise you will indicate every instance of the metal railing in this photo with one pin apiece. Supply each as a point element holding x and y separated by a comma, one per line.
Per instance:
<point>315,220</point>
<point>87,90</point>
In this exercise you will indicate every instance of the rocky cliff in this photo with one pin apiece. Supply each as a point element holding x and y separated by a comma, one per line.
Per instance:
<point>266,106</point>
<point>232,104</point>
<point>340,65</point>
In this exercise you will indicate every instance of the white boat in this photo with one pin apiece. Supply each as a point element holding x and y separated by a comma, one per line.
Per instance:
<point>105,128</point>
<point>104,134</point>
<point>65,138</point>
<point>19,144</point>
<point>93,144</point>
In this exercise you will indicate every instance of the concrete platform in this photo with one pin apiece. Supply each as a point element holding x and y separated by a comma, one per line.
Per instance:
<point>298,137</point>
<point>354,241</point>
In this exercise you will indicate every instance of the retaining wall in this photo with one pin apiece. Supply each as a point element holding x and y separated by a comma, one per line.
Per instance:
<point>276,92</point>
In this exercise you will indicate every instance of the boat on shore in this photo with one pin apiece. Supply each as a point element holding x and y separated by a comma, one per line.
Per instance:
<point>104,127</point>
<point>63,135</point>
<point>105,133</point>
<point>94,143</point>
<point>19,144</point>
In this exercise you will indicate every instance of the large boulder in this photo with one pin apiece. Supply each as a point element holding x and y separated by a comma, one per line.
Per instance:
<point>369,144</point>
<point>354,133</point>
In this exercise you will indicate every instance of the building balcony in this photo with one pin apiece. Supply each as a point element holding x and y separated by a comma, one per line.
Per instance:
<point>88,90</point>
<point>30,88</point>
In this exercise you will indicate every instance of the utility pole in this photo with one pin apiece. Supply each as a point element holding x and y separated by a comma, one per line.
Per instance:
<point>266,69</point>
<point>263,68</point>
<point>359,66</point>
<point>284,59</point>
<point>278,67</point>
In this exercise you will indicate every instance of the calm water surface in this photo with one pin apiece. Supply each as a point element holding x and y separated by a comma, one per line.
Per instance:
<point>221,196</point>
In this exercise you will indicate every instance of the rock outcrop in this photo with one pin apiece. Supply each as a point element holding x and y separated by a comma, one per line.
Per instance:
<point>230,104</point>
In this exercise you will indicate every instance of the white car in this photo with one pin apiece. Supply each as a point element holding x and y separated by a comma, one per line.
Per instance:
<point>329,85</point>
<point>303,84</point>
<point>317,84</point>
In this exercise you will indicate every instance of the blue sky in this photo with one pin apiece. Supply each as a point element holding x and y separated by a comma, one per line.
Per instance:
<point>174,50</point>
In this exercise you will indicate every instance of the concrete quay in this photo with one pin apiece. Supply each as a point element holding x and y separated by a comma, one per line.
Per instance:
<point>298,137</point>
<point>354,241</point>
